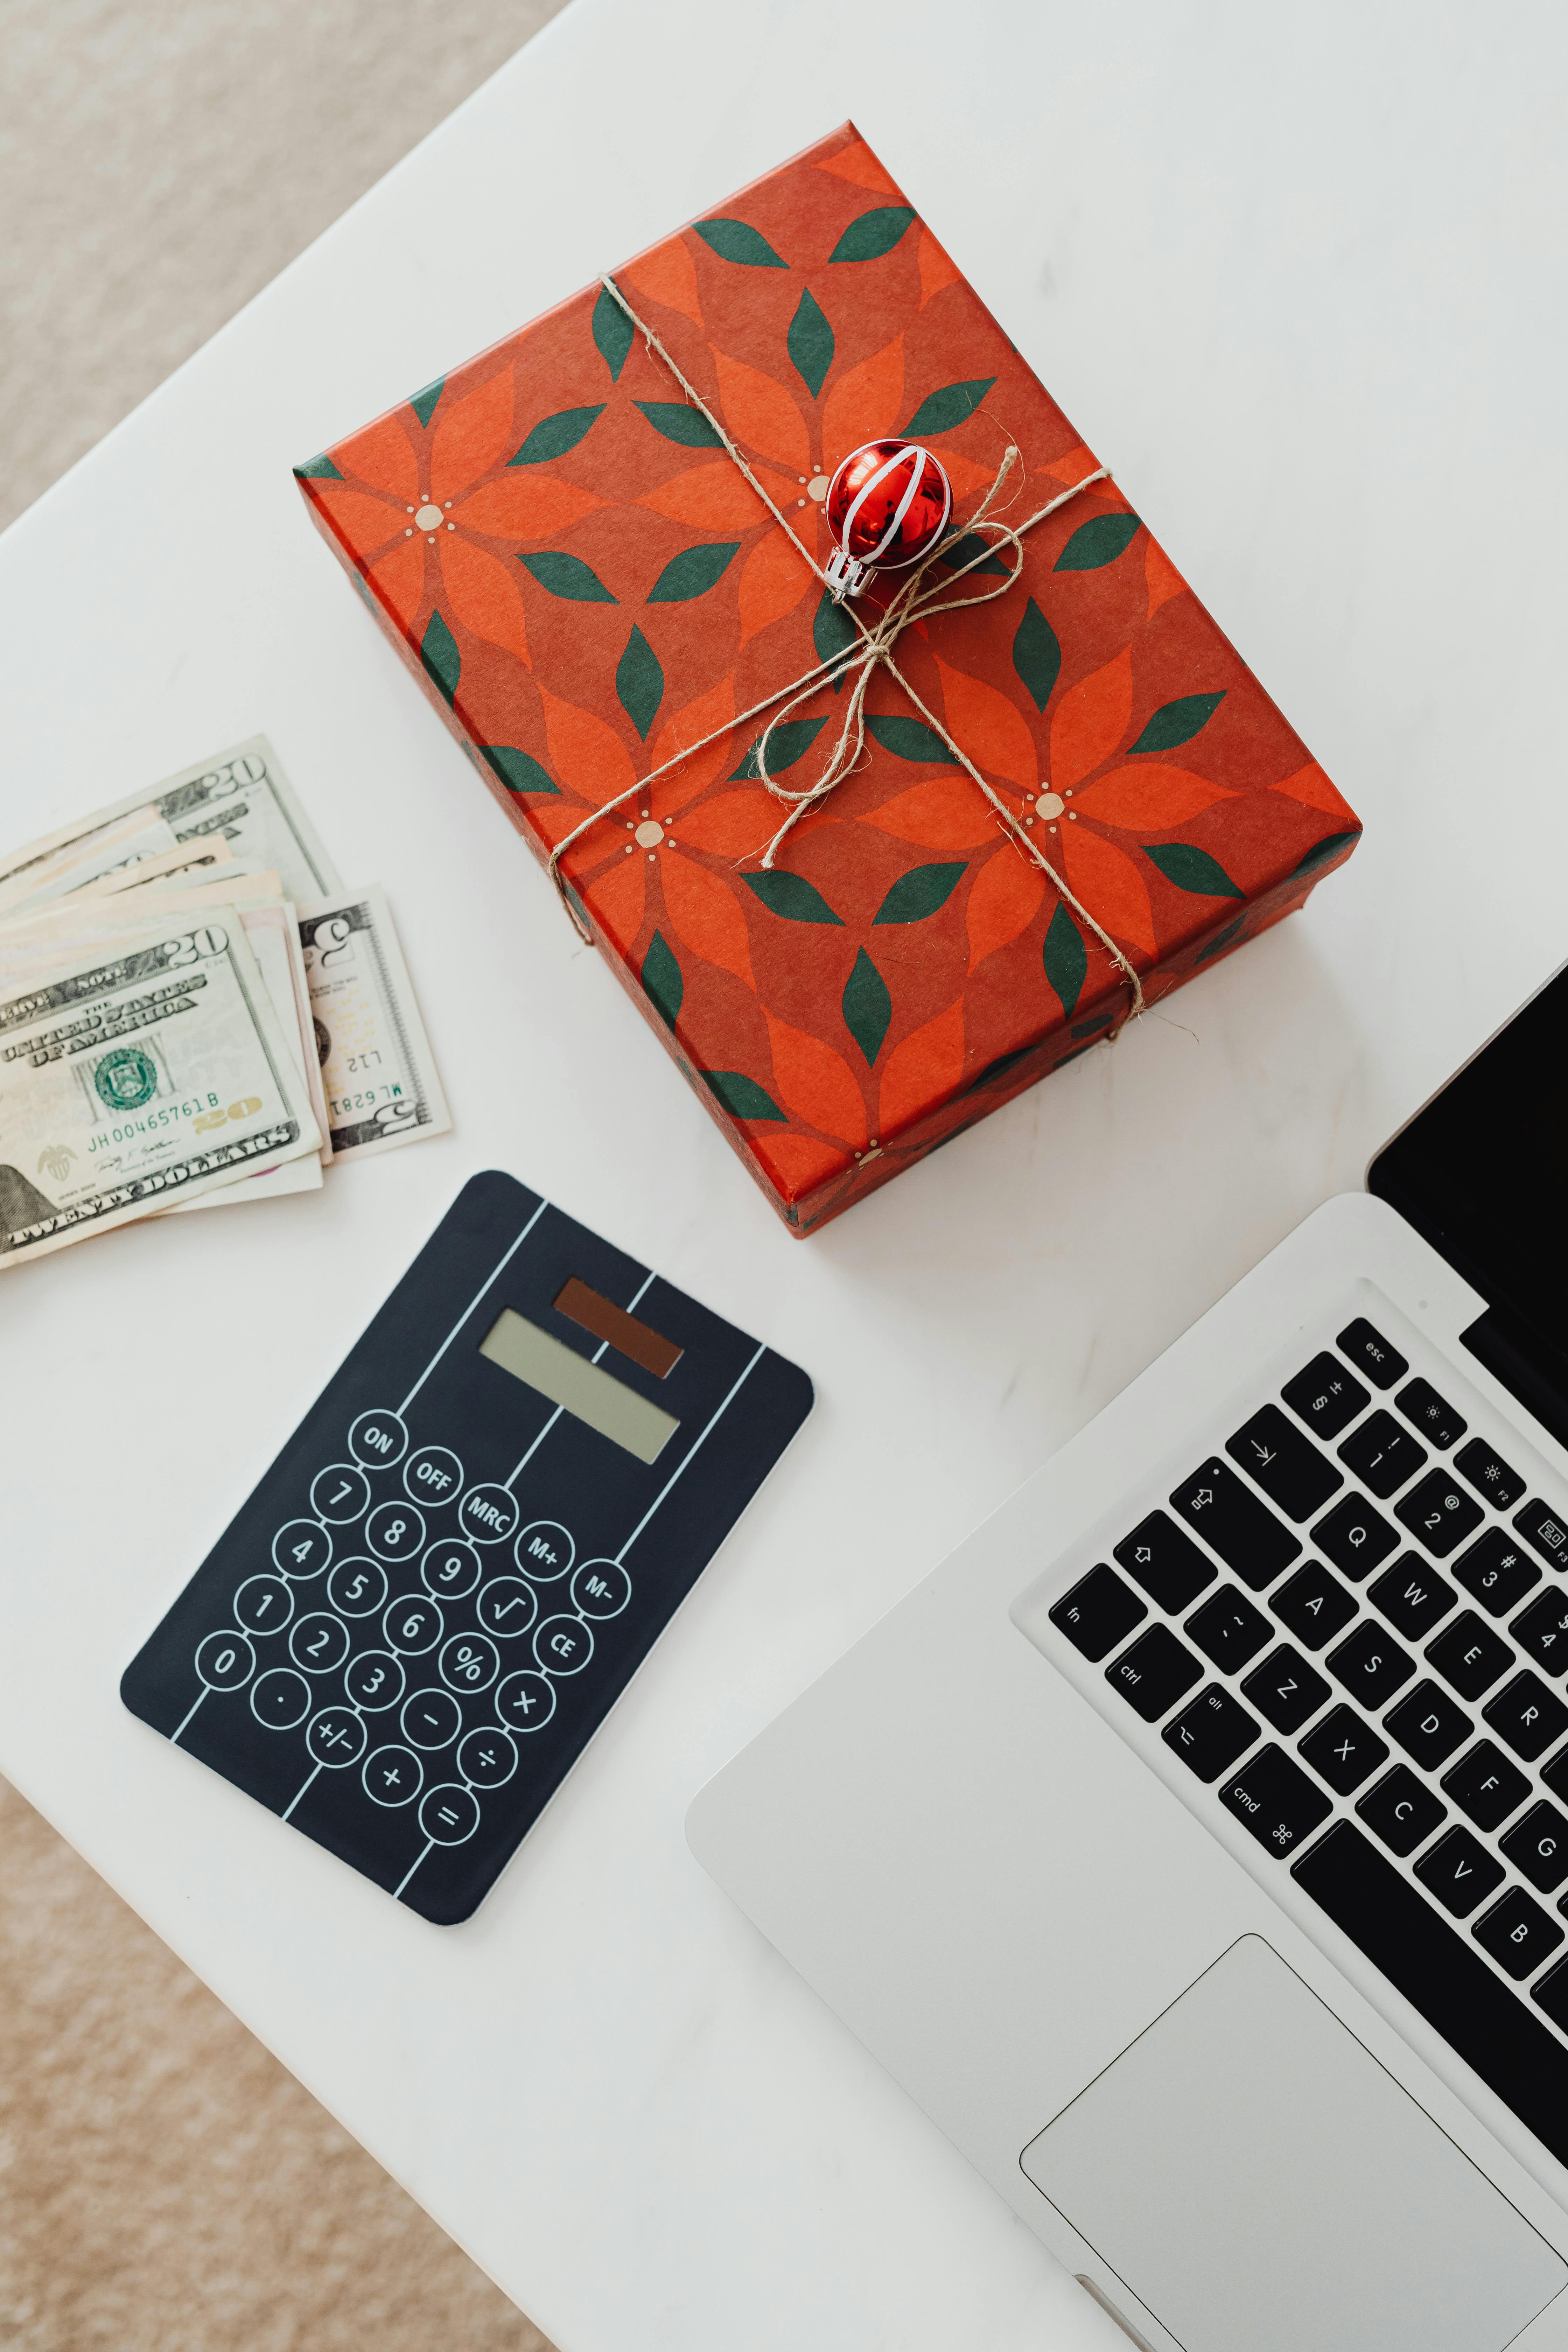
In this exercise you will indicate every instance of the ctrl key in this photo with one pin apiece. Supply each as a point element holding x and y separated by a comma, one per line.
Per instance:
<point>1099,1612</point>
<point>1153,1675</point>
<point>1273,1798</point>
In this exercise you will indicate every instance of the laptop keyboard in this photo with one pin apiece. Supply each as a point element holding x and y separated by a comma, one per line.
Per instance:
<point>1347,1624</point>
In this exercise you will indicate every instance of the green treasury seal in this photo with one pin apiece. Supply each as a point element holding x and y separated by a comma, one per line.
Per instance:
<point>126,1078</point>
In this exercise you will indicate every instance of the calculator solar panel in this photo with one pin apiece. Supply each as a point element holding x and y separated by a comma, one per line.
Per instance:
<point>444,1581</point>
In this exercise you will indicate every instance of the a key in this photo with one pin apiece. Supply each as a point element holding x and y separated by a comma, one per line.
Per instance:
<point>1432,1415</point>
<point>1363,1345</point>
<point>1167,1563</point>
<point>1469,1655</point>
<point>1325,1396</point>
<point>318,1643</point>
<point>1342,1750</point>
<point>300,1549</point>
<point>1545,1532</point>
<point>1371,1665</point>
<point>1536,1845</point>
<point>451,1568</point>
<point>1438,1513</point>
<point>1554,1774</point>
<point>395,1531</point>
<point>264,1604</point>
<point>1314,1605</point>
<point>1383,1455</point>
<point>1356,1537</point>
<point>1228,1630</point>
<point>488,1758</point>
<point>1527,1715</point>
<point>1211,1731</point>
<point>226,1662</point>
<point>430,1719</point>
<point>339,1492</point>
<point>374,1680</point>
<point>1153,1675</point>
<point>1272,1797</point>
<point>281,1698</point>
<point>1485,1785</point>
<point>1412,1596</point>
<point>1401,1810</point>
<point>393,1775</point>
<point>1517,1933</point>
<point>448,1815</point>
<point>1099,1612</point>
<point>1285,1689</point>
<point>1287,1466</point>
<point>1490,1474</point>
<point>1496,1573</point>
<point>1543,1630</point>
<point>357,1588</point>
<point>1234,1523</point>
<point>509,1605</point>
<point>1459,1872</point>
<point>1428,1725</point>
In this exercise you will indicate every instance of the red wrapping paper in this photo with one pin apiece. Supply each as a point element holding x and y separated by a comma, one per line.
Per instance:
<point>584,581</point>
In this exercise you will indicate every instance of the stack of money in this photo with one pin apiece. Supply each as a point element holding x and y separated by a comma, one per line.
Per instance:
<point>193,1011</point>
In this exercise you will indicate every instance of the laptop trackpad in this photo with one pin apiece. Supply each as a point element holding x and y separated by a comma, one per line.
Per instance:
<point>1255,2177</point>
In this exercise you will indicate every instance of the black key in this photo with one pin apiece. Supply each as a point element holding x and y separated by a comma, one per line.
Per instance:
<point>1401,1810</point>
<point>1551,1993</point>
<point>1153,1675</point>
<point>1383,1455</point>
<point>1438,1513</point>
<point>1412,1596</point>
<point>1537,1847</point>
<point>1545,1532</point>
<point>1484,1784</point>
<point>1527,1715</point>
<point>1165,1562</point>
<point>1468,1654</point>
<point>1371,1665</point>
<point>1543,1630</point>
<point>1314,1605</point>
<point>1428,1725</point>
<point>1233,1522</point>
<point>1460,1872</point>
<point>1355,1537</point>
<point>1432,1415</point>
<point>1287,1466</point>
<point>1364,1346</point>
<point>1345,1749</point>
<point>1325,1396</point>
<point>1497,1572</point>
<point>1211,1731</point>
<point>1556,1775</point>
<point>1099,1612</point>
<point>1273,1797</point>
<point>1286,1689</point>
<point>1517,1933</point>
<point>1488,1474</point>
<point>1443,1977</point>
<point>1228,1629</point>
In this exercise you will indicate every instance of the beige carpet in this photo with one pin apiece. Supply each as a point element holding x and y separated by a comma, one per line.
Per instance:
<point>164,2185</point>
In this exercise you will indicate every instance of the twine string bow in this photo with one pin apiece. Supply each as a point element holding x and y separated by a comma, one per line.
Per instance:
<point>910,602</point>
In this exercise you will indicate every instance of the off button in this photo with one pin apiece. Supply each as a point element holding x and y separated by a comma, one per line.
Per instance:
<point>432,1476</point>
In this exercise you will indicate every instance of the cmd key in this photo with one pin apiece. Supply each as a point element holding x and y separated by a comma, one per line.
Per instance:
<point>1234,1523</point>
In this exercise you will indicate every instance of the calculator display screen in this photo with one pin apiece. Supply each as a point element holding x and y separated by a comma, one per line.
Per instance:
<point>580,1387</point>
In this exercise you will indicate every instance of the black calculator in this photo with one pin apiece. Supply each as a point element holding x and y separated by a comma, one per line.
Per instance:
<point>448,1575</point>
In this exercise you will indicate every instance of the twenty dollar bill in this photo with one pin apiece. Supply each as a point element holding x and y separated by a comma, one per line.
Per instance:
<point>376,1067</point>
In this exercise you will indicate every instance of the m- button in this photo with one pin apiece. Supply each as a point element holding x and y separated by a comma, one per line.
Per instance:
<point>488,1515</point>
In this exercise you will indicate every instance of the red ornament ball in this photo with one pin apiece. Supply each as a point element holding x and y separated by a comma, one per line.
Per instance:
<point>887,506</point>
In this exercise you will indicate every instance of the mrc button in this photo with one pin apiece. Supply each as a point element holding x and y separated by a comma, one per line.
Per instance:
<point>545,1551</point>
<point>488,1515</point>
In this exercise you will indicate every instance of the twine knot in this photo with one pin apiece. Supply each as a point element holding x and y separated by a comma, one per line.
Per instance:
<point>911,602</point>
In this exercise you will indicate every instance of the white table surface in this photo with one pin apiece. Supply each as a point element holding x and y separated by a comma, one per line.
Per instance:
<point>1297,274</point>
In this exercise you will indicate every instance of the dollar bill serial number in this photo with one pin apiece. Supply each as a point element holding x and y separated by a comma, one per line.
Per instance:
<point>371,1099</point>
<point>207,1113</point>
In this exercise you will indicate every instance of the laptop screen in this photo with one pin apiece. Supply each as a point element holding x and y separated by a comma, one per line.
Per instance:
<point>1483,1173</point>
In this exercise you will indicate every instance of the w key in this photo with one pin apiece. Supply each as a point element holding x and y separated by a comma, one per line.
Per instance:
<point>1287,1466</point>
<point>1234,1523</point>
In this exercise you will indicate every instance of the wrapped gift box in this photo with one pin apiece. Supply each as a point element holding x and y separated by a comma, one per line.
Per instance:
<point>580,576</point>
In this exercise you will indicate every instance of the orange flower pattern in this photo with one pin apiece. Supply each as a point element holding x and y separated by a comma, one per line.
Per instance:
<point>561,548</point>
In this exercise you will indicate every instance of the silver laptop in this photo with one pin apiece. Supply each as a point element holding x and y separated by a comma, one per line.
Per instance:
<point>1193,1844</point>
